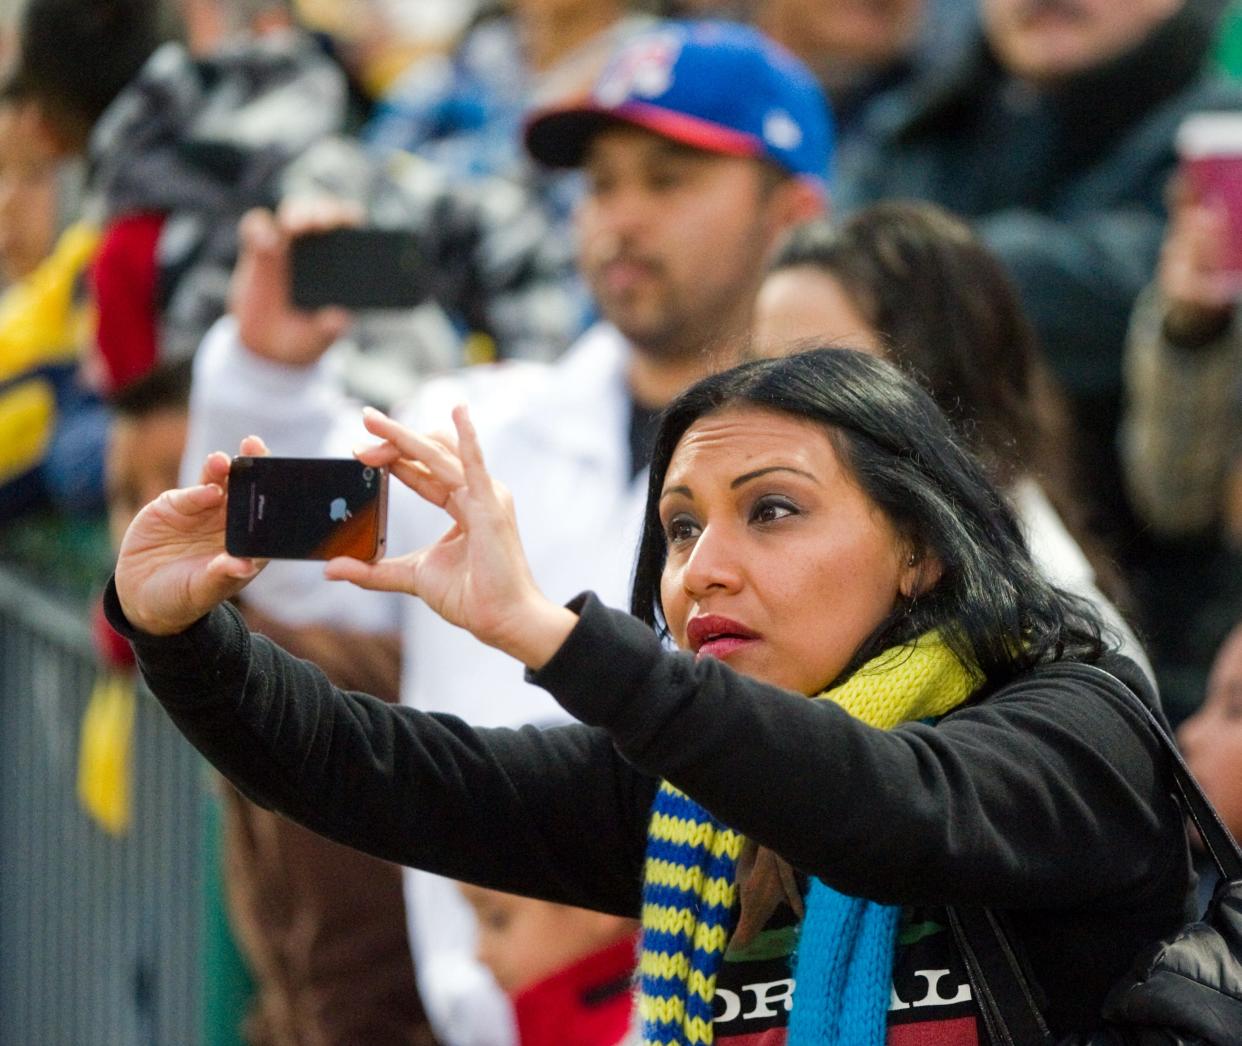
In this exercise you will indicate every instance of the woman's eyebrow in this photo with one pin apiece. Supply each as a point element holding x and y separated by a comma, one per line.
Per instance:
<point>675,490</point>
<point>746,477</point>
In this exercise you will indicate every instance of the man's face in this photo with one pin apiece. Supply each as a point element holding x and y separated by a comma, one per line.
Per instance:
<point>1045,41</point>
<point>860,32</point>
<point>673,240</point>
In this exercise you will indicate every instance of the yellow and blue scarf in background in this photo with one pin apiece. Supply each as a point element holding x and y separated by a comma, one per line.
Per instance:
<point>844,963</point>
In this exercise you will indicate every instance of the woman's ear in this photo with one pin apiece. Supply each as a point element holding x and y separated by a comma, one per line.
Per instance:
<point>919,573</point>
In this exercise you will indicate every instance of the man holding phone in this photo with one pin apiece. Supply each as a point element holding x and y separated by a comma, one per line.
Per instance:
<point>702,144</point>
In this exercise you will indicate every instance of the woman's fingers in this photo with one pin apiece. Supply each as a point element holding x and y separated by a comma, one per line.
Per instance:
<point>193,501</point>
<point>254,447</point>
<point>470,453</point>
<point>216,465</point>
<point>388,575</point>
<point>215,468</point>
<point>443,464</point>
<point>379,455</point>
<point>237,568</point>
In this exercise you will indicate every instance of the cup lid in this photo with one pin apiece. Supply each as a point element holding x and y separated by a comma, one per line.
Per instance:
<point>1207,134</point>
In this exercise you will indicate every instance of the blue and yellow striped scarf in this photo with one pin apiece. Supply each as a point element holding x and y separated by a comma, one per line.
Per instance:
<point>846,945</point>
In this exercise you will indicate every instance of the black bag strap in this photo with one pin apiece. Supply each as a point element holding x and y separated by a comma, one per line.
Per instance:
<point>1009,1009</point>
<point>1006,999</point>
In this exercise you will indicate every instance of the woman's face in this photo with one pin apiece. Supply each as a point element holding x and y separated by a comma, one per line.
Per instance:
<point>1211,739</point>
<point>778,563</point>
<point>804,304</point>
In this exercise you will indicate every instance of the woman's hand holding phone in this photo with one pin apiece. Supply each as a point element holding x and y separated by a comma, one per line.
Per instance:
<point>476,575</point>
<point>172,567</point>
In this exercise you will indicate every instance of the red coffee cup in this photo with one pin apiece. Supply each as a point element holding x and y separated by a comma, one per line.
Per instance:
<point>1210,147</point>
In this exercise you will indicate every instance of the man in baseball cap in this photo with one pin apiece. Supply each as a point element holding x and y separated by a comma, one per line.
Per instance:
<point>716,86</point>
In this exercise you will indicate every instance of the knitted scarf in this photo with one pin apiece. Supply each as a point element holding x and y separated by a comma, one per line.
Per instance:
<point>845,951</point>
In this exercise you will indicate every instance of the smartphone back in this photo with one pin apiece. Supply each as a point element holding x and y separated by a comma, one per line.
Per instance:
<point>305,508</point>
<point>358,268</point>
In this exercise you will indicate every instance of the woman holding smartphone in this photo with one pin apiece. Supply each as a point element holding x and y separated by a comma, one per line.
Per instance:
<point>878,708</point>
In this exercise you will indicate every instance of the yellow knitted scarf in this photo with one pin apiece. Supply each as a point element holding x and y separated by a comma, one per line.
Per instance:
<point>689,879</point>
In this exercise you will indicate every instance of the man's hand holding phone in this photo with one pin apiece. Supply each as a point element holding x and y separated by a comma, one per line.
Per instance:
<point>269,323</point>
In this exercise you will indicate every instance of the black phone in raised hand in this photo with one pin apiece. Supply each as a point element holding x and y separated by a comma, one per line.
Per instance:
<point>358,268</point>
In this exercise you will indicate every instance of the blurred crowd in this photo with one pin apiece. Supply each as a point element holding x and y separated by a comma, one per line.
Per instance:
<point>1033,205</point>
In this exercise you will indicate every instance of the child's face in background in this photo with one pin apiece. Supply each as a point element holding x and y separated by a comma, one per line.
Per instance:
<point>144,456</point>
<point>29,190</point>
<point>1211,739</point>
<point>524,941</point>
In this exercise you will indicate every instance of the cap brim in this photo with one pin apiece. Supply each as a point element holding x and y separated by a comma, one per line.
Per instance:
<point>560,137</point>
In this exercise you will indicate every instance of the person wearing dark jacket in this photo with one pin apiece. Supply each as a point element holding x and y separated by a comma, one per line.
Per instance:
<point>1054,135</point>
<point>878,709</point>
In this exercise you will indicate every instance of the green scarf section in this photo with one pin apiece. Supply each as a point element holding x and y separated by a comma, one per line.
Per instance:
<point>690,888</point>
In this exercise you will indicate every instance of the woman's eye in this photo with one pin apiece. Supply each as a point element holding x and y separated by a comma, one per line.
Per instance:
<point>680,528</point>
<point>769,510</point>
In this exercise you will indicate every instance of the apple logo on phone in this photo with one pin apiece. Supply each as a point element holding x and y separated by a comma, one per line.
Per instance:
<point>338,510</point>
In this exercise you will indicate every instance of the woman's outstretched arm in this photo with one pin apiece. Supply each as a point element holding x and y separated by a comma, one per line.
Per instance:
<point>553,813</point>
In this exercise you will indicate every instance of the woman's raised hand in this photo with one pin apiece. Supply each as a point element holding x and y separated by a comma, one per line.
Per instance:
<point>172,567</point>
<point>476,576</point>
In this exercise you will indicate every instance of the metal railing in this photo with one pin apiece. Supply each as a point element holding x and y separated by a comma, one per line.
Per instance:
<point>99,934</point>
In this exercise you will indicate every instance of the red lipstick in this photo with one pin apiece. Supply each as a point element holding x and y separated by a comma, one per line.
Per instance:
<point>713,635</point>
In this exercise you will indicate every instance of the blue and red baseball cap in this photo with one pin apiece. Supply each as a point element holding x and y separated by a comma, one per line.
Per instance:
<point>718,86</point>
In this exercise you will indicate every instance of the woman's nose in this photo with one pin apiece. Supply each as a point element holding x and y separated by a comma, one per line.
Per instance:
<point>714,564</point>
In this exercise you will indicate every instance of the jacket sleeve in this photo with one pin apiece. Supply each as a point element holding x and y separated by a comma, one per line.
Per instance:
<point>1182,430</point>
<point>555,814</point>
<point>1049,789</point>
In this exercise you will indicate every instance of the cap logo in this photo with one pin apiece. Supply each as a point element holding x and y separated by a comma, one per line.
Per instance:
<point>643,70</point>
<point>781,131</point>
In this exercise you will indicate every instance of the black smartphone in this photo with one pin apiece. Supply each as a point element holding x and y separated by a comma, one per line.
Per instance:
<point>366,268</point>
<point>306,508</point>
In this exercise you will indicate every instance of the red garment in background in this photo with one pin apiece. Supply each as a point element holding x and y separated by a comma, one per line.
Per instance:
<point>123,282</point>
<point>587,1004</point>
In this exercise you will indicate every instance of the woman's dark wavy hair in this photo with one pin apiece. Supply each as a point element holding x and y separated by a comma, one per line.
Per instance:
<point>948,313</point>
<point>991,603</point>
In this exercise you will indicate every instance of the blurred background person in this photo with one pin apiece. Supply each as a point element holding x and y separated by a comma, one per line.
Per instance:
<point>449,128</point>
<point>1181,445</point>
<point>52,424</point>
<point>1211,741</point>
<point>181,139</point>
<point>873,57</point>
<point>913,284</point>
<point>186,122</point>
<point>320,926</point>
<point>1054,135</point>
<point>569,971</point>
